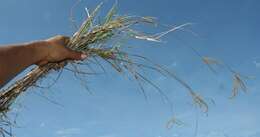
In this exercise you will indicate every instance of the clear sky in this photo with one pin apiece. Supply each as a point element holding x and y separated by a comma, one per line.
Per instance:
<point>225,29</point>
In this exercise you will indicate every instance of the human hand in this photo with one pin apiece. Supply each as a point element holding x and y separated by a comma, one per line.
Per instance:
<point>54,50</point>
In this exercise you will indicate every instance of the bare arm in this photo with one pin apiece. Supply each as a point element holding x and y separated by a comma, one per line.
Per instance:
<point>15,58</point>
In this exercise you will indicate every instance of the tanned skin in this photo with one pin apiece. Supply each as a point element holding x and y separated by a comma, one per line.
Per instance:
<point>15,58</point>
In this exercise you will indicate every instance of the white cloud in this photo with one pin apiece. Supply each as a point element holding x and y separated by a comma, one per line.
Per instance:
<point>257,64</point>
<point>108,135</point>
<point>174,64</point>
<point>68,131</point>
<point>175,135</point>
<point>216,134</point>
<point>42,124</point>
<point>213,134</point>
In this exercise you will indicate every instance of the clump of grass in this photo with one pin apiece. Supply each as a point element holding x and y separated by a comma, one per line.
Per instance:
<point>94,40</point>
<point>101,41</point>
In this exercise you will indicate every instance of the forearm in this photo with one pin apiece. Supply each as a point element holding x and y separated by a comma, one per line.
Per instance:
<point>15,58</point>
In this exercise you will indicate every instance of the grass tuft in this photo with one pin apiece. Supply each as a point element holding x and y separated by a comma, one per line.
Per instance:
<point>102,43</point>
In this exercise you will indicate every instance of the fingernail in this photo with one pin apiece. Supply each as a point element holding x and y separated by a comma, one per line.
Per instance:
<point>83,56</point>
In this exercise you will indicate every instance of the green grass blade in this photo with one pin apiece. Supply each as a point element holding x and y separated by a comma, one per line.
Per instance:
<point>85,27</point>
<point>111,13</point>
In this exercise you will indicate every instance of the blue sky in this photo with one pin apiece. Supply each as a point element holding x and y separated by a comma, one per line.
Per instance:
<point>227,30</point>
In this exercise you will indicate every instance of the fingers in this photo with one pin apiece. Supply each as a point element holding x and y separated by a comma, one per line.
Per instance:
<point>73,55</point>
<point>59,39</point>
<point>66,40</point>
<point>62,40</point>
<point>60,52</point>
<point>41,63</point>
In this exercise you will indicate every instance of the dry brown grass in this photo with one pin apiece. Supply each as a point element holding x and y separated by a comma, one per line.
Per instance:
<point>101,41</point>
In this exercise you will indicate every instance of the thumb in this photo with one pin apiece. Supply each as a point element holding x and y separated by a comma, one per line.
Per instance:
<point>41,63</point>
<point>73,55</point>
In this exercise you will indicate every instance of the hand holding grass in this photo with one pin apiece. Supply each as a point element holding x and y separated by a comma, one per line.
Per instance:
<point>54,50</point>
<point>15,58</point>
<point>101,40</point>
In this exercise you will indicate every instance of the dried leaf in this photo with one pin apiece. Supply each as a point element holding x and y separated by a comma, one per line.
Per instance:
<point>238,84</point>
<point>173,121</point>
<point>200,102</point>
<point>210,62</point>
